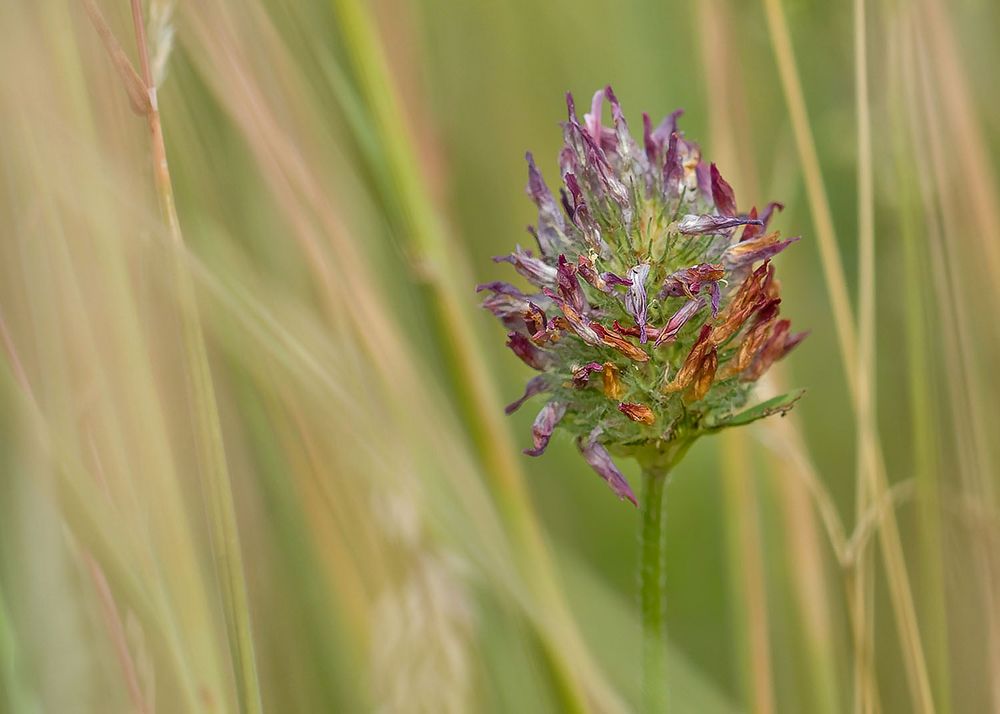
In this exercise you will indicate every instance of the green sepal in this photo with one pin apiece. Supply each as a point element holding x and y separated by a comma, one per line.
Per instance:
<point>777,405</point>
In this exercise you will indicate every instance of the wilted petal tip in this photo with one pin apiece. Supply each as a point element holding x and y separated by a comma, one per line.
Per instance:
<point>545,423</point>
<point>600,460</point>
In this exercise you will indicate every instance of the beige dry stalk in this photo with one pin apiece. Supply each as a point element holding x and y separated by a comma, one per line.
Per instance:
<point>728,132</point>
<point>875,481</point>
<point>208,431</point>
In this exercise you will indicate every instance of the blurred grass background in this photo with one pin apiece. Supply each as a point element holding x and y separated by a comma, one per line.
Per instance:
<point>343,172</point>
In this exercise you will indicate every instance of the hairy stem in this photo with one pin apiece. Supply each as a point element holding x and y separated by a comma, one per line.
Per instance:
<point>657,464</point>
<point>652,591</point>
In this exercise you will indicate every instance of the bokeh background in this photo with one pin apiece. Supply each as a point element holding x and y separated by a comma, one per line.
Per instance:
<point>261,461</point>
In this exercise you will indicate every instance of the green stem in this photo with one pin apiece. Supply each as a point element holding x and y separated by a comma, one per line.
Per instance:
<point>652,589</point>
<point>657,464</point>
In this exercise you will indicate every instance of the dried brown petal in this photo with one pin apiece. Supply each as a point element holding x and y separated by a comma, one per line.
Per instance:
<point>751,344</point>
<point>758,248</point>
<point>534,319</point>
<point>613,339</point>
<point>752,294</point>
<point>613,388</point>
<point>577,322</point>
<point>692,364</point>
<point>678,320</point>
<point>779,344</point>
<point>637,412</point>
<point>703,379</point>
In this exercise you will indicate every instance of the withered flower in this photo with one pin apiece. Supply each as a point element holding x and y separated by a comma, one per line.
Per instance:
<point>637,412</point>
<point>613,388</point>
<point>648,276</point>
<point>581,374</point>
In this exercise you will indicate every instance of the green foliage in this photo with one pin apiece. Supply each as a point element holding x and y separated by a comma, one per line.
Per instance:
<point>780,405</point>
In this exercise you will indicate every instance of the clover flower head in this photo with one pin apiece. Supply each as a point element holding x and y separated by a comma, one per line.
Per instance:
<point>654,307</point>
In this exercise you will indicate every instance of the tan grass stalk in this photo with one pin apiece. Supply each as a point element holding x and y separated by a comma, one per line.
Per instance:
<point>208,432</point>
<point>925,423</point>
<point>957,109</point>
<point>819,205</point>
<point>797,486</point>
<point>746,550</point>
<point>98,531</point>
<point>965,385</point>
<point>150,576</point>
<point>892,553</point>
<point>116,630</point>
<point>866,699</point>
<point>732,150</point>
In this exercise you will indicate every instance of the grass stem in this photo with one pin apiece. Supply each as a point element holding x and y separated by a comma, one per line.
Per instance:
<point>861,392</point>
<point>208,431</point>
<point>445,274</point>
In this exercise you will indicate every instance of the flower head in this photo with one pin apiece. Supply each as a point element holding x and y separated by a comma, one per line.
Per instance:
<point>655,307</point>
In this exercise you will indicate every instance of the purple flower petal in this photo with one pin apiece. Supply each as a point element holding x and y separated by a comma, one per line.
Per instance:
<point>673,169</point>
<point>690,281</point>
<point>700,225</point>
<point>567,205</point>
<point>703,175</point>
<point>580,324</point>
<point>678,320</point>
<point>507,302</point>
<point>793,341</point>
<point>569,159</point>
<point>545,423</point>
<point>551,226</point>
<point>779,344</point>
<point>535,270</point>
<point>647,138</point>
<point>760,248</point>
<point>765,216</point>
<point>612,279</point>
<point>600,460</point>
<point>601,135</point>
<point>502,288</point>
<point>716,293</point>
<point>635,298</point>
<point>722,194</point>
<point>581,217</point>
<point>597,173</point>
<point>661,135</point>
<point>752,231</point>
<point>593,120</point>
<point>529,353</point>
<point>569,285</point>
<point>581,374</point>
<point>628,151</point>
<point>536,385</point>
